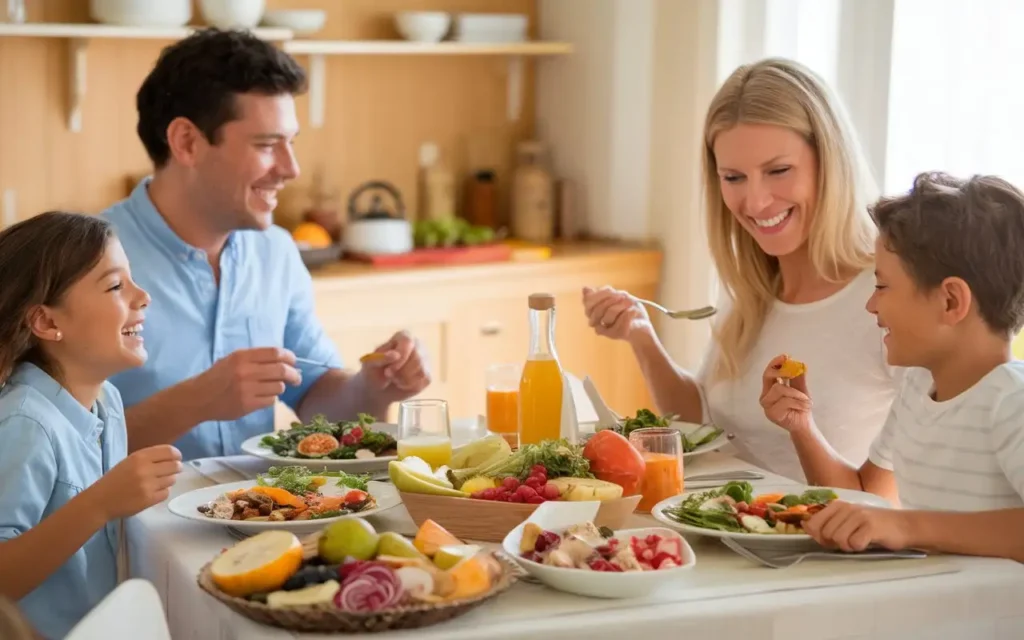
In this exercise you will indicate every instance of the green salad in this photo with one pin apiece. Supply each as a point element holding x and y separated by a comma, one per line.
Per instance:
<point>733,507</point>
<point>645,418</point>
<point>321,438</point>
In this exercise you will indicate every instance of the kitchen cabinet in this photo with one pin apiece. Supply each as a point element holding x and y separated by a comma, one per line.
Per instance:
<point>472,316</point>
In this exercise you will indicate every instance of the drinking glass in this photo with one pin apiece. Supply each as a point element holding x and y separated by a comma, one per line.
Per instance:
<point>662,451</point>
<point>425,432</point>
<point>502,381</point>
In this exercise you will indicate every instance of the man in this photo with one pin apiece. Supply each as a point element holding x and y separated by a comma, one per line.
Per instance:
<point>232,302</point>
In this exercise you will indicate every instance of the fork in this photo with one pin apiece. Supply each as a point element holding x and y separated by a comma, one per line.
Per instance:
<point>791,560</point>
<point>688,314</point>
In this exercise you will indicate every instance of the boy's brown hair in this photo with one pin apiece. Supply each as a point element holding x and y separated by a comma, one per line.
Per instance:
<point>972,229</point>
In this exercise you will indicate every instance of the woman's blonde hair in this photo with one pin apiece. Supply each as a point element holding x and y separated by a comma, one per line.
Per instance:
<point>784,93</point>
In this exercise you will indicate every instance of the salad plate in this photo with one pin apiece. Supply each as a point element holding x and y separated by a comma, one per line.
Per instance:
<point>762,516</point>
<point>292,499</point>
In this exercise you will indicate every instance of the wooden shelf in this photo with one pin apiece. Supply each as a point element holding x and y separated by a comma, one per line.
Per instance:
<point>402,47</point>
<point>78,37</point>
<point>515,52</point>
<point>112,31</point>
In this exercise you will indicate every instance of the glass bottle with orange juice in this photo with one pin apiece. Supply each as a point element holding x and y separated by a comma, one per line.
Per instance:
<point>502,382</point>
<point>662,451</point>
<point>540,388</point>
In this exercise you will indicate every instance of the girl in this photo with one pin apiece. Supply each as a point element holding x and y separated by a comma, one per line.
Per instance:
<point>70,317</point>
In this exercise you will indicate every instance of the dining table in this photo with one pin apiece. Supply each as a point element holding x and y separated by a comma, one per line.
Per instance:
<point>724,596</point>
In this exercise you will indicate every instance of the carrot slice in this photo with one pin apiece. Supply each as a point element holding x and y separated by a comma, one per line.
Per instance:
<point>280,496</point>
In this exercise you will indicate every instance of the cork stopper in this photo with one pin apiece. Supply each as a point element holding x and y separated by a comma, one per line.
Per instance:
<point>542,301</point>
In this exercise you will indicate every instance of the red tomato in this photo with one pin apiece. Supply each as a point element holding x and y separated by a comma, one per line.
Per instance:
<point>354,496</point>
<point>613,459</point>
<point>758,510</point>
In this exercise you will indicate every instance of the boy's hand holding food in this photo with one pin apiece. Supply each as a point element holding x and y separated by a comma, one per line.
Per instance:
<point>138,482</point>
<point>855,527</point>
<point>787,405</point>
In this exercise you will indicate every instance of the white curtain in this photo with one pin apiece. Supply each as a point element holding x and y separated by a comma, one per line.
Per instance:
<point>956,101</point>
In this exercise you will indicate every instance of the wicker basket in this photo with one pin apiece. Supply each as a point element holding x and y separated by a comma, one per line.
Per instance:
<point>490,521</point>
<point>326,618</point>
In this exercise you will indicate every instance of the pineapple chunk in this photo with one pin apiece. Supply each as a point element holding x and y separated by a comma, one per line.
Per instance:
<point>531,532</point>
<point>582,489</point>
<point>792,368</point>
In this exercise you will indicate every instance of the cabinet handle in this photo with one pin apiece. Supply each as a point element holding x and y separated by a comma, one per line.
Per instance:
<point>492,328</point>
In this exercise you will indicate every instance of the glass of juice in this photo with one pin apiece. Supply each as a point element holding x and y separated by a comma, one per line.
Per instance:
<point>425,432</point>
<point>662,451</point>
<point>502,382</point>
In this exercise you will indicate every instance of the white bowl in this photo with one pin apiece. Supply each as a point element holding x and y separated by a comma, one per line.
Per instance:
<point>301,21</point>
<point>423,26</point>
<point>141,13</point>
<point>491,27</point>
<point>232,14</point>
<point>602,584</point>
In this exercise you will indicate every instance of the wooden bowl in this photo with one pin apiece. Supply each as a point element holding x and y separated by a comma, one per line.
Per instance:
<point>490,521</point>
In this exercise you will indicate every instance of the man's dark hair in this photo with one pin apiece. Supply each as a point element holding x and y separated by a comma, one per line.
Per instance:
<point>198,78</point>
<point>969,229</point>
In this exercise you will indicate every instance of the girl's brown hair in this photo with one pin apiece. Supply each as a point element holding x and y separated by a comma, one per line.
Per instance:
<point>40,258</point>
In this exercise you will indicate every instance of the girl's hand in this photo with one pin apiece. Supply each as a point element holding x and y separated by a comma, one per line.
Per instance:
<point>787,405</point>
<point>138,482</point>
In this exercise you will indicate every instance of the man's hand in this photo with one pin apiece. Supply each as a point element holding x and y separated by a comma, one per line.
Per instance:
<point>246,381</point>
<point>788,406</point>
<point>398,368</point>
<point>854,527</point>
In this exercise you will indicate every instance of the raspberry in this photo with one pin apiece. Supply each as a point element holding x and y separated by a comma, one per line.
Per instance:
<point>539,469</point>
<point>535,500</point>
<point>515,497</point>
<point>534,482</point>
<point>356,433</point>
<point>510,483</point>
<point>550,492</point>
<point>533,556</point>
<point>653,540</point>
<point>546,540</point>
<point>526,492</point>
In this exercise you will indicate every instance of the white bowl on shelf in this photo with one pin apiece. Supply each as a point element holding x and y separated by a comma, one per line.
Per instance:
<point>423,26</point>
<point>232,14</point>
<point>301,21</point>
<point>491,27</point>
<point>141,13</point>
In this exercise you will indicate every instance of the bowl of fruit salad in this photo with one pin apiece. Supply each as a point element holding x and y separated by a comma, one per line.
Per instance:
<point>589,560</point>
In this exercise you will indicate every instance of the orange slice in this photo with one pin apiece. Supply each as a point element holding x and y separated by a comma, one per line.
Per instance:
<point>792,369</point>
<point>431,537</point>
<point>473,576</point>
<point>259,564</point>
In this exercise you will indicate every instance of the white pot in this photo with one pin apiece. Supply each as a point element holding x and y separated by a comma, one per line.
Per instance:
<point>378,236</point>
<point>232,14</point>
<point>141,13</point>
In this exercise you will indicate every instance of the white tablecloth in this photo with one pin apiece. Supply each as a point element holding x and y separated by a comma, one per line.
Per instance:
<point>724,597</point>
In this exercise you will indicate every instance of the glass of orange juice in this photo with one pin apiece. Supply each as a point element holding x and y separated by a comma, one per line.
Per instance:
<point>662,451</point>
<point>502,382</point>
<point>425,432</point>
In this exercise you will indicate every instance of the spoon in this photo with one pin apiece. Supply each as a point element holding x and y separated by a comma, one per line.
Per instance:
<point>688,314</point>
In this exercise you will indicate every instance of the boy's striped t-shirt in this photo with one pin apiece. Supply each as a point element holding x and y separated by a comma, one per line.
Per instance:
<point>964,454</point>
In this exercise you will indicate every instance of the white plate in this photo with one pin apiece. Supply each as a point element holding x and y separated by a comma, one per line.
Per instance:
<point>463,431</point>
<point>600,584</point>
<point>716,444</point>
<point>684,428</point>
<point>774,541</point>
<point>186,506</point>
<point>253,447</point>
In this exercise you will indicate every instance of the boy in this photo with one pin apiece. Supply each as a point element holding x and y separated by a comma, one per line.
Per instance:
<point>950,295</point>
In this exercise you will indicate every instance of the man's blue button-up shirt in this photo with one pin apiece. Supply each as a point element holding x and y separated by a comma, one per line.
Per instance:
<point>265,299</point>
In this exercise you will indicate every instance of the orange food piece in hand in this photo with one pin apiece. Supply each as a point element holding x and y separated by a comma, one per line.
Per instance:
<point>369,357</point>
<point>792,368</point>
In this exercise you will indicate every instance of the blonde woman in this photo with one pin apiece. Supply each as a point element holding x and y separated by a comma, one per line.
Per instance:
<point>786,190</point>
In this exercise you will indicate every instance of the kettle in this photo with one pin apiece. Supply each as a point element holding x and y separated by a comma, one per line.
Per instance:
<point>377,230</point>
